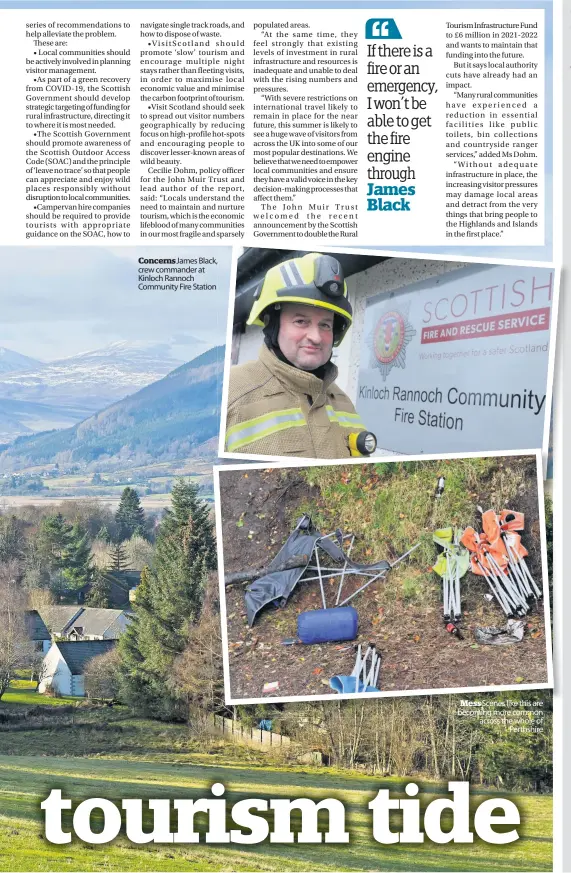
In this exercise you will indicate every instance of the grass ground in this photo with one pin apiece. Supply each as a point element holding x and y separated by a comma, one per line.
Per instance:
<point>23,691</point>
<point>99,752</point>
<point>26,780</point>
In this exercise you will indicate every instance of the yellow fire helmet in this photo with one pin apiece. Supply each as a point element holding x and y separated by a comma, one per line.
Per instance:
<point>314,280</point>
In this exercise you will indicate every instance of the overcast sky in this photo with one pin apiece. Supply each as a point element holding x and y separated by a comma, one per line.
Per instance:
<point>57,302</point>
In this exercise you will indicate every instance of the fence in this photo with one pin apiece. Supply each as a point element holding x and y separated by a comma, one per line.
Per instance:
<point>236,731</point>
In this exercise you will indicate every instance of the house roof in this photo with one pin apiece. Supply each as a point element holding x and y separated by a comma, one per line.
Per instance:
<point>127,578</point>
<point>61,620</point>
<point>76,655</point>
<point>36,626</point>
<point>94,622</point>
<point>121,583</point>
<point>57,618</point>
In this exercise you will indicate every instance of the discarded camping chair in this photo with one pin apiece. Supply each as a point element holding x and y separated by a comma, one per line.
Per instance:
<point>452,564</point>
<point>365,674</point>
<point>499,555</point>
<point>300,554</point>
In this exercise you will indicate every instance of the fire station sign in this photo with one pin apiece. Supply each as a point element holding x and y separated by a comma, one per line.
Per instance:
<point>459,362</point>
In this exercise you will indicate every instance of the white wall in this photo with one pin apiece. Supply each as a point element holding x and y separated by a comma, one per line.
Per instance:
<point>56,673</point>
<point>78,686</point>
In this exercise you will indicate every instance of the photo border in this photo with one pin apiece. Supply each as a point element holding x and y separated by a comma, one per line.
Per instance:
<point>553,333</point>
<point>229,700</point>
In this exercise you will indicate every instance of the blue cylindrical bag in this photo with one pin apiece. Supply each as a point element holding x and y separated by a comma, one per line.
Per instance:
<point>328,625</point>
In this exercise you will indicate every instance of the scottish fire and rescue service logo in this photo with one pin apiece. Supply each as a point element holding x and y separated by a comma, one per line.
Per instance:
<point>389,339</point>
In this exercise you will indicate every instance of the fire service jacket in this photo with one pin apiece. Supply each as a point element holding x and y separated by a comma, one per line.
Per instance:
<point>276,409</point>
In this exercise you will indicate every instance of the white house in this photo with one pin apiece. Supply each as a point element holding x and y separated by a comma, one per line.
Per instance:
<point>64,665</point>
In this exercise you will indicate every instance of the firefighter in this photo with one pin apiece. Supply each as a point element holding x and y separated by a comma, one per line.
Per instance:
<point>287,403</point>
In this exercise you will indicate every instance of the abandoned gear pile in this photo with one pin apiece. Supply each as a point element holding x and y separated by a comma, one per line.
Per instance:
<point>295,557</point>
<point>497,553</point>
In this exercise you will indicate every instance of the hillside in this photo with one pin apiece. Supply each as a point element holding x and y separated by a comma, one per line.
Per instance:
<point>90,380</point>
<point>166,420</point>
<point>89,750</point>
<point>11,362</point>
<point>19,417</point>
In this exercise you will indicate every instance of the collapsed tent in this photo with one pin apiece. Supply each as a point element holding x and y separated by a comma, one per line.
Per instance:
<point>303,551</point>
<point>277,585</point>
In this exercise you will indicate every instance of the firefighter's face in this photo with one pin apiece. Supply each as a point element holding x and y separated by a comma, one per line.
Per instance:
<point>305,335</point>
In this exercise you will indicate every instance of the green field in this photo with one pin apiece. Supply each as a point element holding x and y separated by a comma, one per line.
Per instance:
<point>90,750</point>
<point>25,780</point>
<point>160,477</point>
<point>22,691</point>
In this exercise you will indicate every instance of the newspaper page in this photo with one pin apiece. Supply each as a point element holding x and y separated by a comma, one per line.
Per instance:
<point>280,435</point>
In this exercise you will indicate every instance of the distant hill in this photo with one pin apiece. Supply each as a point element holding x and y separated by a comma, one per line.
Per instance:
<point>90,380</point>
<point>13,362</point>
<point>19,417</point>
<point>166,420</point>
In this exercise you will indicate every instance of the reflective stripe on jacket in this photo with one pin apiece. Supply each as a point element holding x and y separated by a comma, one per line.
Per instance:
<point>276,409</point>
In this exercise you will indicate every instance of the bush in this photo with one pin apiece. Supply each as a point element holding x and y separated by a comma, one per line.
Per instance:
<point>102,676</point>
<point>139,552</point>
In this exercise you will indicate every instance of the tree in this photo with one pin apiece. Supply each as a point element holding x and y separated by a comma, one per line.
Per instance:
<point>76,563</point>
<point>100,591</point>
<point>130,516</point>
<point>16,647</point>
<point>36,570</point>
<point>12,539</point>
<point>90,514</point>
<point>118,558</point>
<point>39,598</point>
<point>169,599</point>
<point>139,552</point>
<point>197,674</point>
<point>62,553</point>
<point>103,534</point>
<point>102,675</point>
<point>54,538</point>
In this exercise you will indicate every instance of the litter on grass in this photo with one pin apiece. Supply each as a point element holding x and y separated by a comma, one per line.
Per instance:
<point>270,686</point>
<point>511,633</point>
<point>304,552</point>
